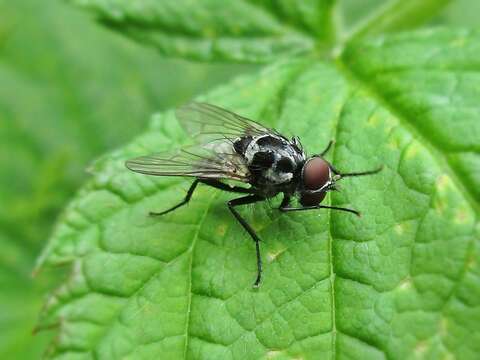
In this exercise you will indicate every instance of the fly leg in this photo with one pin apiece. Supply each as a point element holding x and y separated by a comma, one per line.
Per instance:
<point>285,202</point>
<point>250,199</point>
<point>288,208</point>
<point>285,207</point>
<point>183,202</point>
<point>210,182</point>
<point>225,187</point>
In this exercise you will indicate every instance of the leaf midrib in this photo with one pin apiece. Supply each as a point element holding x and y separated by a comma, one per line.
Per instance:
<point>192,251</point>
<point>330,250</point>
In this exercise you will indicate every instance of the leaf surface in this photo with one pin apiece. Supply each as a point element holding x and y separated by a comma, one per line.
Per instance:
<point>401,282</point>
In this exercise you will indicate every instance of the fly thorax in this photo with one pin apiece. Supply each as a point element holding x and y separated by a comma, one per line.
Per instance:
<point>283,168</point>
<point>272,159</point>
<point>250,150</point>
<point>276,177</point>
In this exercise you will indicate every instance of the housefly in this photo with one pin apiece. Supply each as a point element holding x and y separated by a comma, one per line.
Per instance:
<point>232,147</point>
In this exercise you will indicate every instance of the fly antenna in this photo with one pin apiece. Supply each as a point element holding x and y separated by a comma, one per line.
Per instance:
<point>330,143</point>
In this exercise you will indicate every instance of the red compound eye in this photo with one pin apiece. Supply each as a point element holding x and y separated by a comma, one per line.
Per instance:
<point>316,173</point>
<point>308,199</point>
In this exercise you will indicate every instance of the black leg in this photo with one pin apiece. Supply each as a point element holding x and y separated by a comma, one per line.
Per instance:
<point>285,202</point>
<point>327,148</point>
<point>210,182</point>
<point>222,186</point>
<point>361,173</point>
<point>183,202</point>
<point>250,199</point>
<point>319,207</point>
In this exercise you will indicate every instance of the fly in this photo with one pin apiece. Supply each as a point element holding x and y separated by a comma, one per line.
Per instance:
<point>232,147</point>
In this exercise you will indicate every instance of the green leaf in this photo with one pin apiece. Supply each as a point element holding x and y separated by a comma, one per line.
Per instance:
<point>65,85</point>
<point>429,79</point>
<point>401,282</point>
<point>241,30</point>
<point>397,15</point>
<point>255,30</point>
<point>459,13</point>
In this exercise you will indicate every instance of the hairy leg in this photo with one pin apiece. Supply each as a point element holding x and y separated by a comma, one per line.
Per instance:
<point>304,208</point>
<point>183,202</point>
<point>210,182</point>
<point>250,199</point>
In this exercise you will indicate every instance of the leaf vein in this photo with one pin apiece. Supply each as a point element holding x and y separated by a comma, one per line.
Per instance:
<point>436,152</point>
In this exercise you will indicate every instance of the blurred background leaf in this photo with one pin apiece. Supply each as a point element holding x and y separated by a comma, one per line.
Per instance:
<point>209,30</point>
<point>65,83</point>
<point>458,13</point>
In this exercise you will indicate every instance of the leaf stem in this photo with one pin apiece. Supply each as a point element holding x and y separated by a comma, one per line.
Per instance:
<point>397,15</point>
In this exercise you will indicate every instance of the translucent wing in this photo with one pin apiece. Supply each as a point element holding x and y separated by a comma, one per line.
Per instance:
<point>204,162</point>
<point>214,130</point>
<point>210,123</point>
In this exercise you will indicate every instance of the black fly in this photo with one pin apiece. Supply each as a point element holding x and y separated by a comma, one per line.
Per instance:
<point>232,147</point>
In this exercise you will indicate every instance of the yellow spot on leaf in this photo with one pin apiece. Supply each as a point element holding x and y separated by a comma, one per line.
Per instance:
<point>443,182</point>
<point>400,228</point>
<point>222,229</point>
<point>406,284</point>
<point>272,255</point>
<point>393,143</point>
<point>373,121</point>
<point>412,151</point>
<point>439,205</point>
<point>274,354</point>
<point>461,216</point>
<point>420,349</point>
